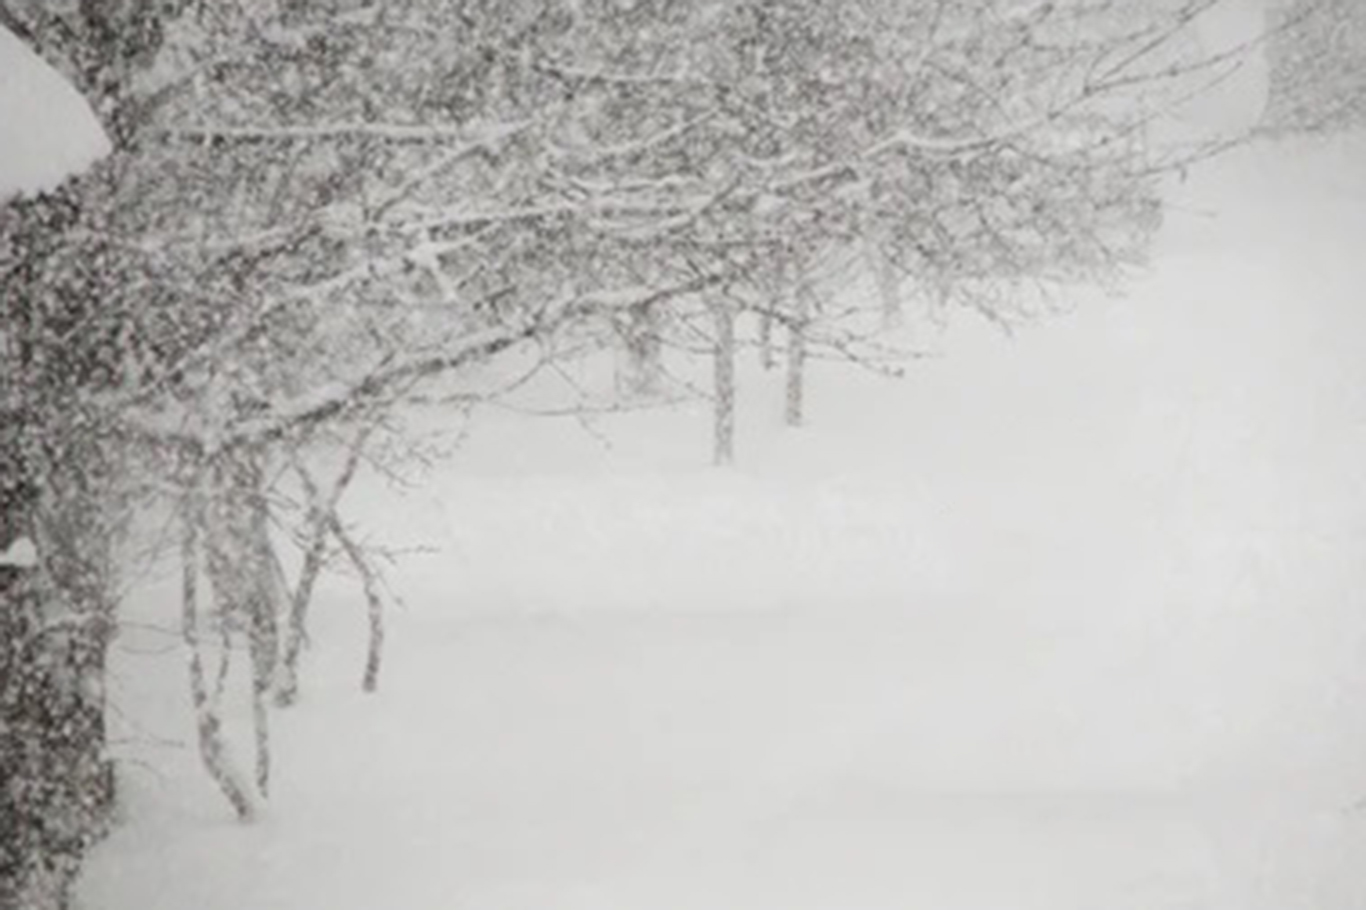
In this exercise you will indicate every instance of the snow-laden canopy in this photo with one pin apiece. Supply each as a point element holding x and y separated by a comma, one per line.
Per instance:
<point>47,130</point>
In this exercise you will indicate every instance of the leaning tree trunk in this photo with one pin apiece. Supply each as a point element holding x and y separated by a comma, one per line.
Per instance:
<point>374,605</point>
<point>296,628</point>
<point>323,524</point>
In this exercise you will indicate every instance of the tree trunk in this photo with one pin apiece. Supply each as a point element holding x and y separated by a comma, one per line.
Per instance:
<point>766,358</point>
<point>796,357</point>
<point>57,470</point>
<point>723,357</point>
<point>56,622</point>
<point>240,565</point>
<point>213,751</point>
<point>264,614</point>
<point>296,629</point>
<point>322,516</point>
<point>888,285</point>
<point>642,373</point>
<point>375,606</point>
<point>779,276</point>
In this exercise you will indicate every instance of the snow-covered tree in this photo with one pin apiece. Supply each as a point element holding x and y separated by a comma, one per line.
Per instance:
<point>60,468</point>
<point>1316,50</point>
<point>313,210</point>
<point>975,147</point>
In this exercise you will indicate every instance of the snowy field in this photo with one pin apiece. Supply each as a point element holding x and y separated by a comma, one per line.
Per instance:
<point>1069,621</point>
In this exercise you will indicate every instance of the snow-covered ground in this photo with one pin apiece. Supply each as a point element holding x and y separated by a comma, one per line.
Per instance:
<point>1067,621</point>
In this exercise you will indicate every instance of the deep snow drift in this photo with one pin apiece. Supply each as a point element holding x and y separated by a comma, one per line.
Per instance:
<point>1070,620</point>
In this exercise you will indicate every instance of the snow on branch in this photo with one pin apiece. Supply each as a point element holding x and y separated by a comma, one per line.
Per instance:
<point>402,133</point>
<point>395,379</point>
